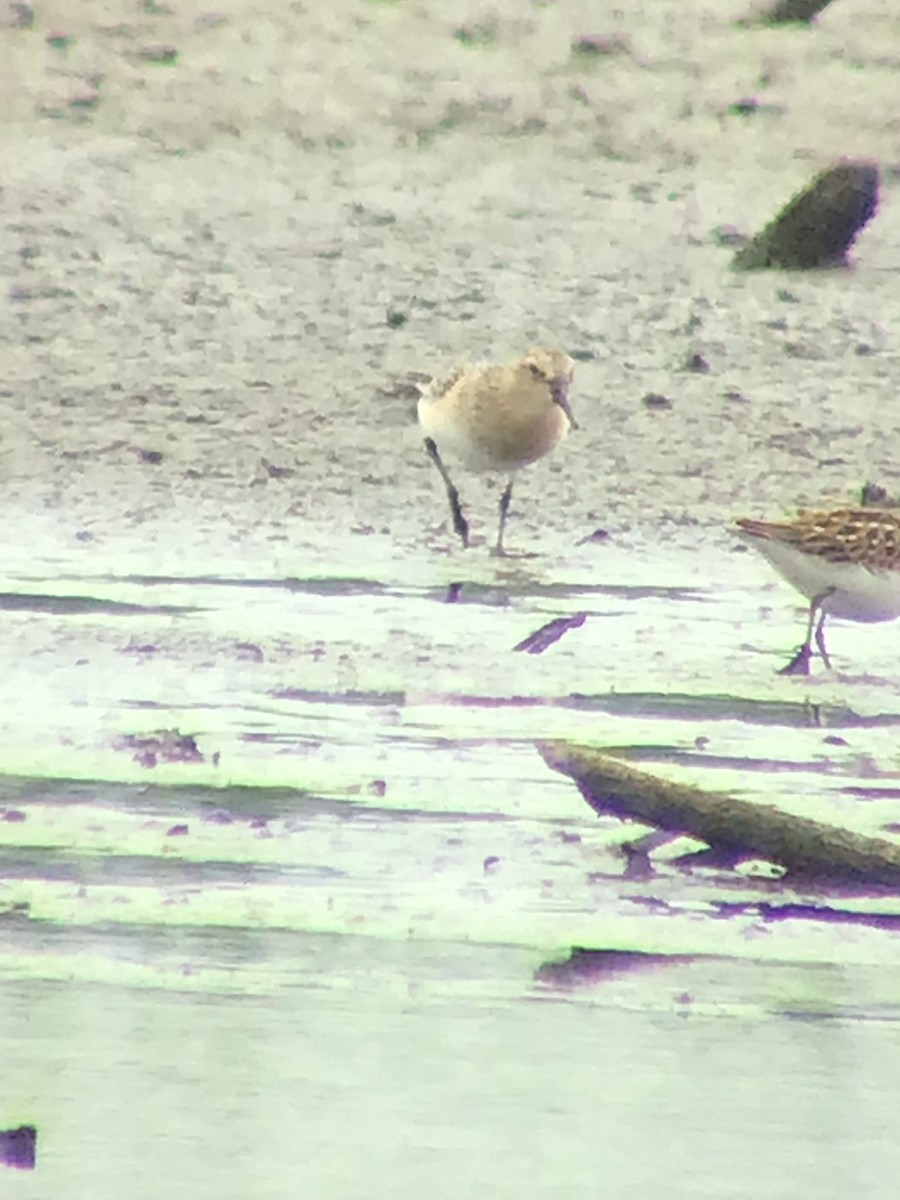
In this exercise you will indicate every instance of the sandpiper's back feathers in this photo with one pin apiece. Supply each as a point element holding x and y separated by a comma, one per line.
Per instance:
<point>868,536</point>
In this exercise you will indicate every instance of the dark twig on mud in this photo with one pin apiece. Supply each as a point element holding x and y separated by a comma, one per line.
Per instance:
<point>541,639</point>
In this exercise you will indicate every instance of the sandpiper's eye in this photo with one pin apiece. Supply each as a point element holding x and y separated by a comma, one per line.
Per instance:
<point>535,370</point>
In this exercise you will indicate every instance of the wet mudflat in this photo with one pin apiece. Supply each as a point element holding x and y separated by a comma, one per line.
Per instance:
<point>289,901</point>
<point>286,882</point>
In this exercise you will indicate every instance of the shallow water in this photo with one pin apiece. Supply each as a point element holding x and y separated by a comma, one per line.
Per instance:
<point>332,939</point>
<point>394,1067</point>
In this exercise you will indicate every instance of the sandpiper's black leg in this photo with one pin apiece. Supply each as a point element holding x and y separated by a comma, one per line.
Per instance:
<point>498,550</point>
<point>799,664</point>
<point>460,524</point>
<point>820,641</point>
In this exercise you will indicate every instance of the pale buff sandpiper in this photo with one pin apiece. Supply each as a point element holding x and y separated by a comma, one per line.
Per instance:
<point>846,562</point>
<point>497,418</point>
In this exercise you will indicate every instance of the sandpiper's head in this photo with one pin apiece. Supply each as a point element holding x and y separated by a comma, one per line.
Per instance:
<point>556,369</point>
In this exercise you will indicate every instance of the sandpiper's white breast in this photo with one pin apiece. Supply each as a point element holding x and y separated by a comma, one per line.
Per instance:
<point>852,590</point>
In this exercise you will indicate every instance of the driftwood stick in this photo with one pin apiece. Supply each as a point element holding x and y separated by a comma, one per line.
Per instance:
<point>726,822</point>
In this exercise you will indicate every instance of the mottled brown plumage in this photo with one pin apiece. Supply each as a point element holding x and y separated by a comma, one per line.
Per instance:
<point>846,561</point>
<point>869,536</point>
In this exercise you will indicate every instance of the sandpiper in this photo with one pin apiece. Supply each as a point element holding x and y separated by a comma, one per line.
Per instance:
<point>497,418</point>
<point>846,561</point>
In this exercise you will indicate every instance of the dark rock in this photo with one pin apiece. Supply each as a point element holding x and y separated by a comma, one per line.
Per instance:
<point>786,11</point>
<point>600,45</point>
<point>876,495</point>
<point>655,400</point>
<point>817,227</point>
<point>18,1147</point>
<point>219,816</point>
<point>275,472</point>
<point>249,650</point>
<point>598,535</point>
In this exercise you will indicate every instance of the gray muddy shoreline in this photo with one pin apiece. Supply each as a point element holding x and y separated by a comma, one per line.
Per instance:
<point>211,309</point>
